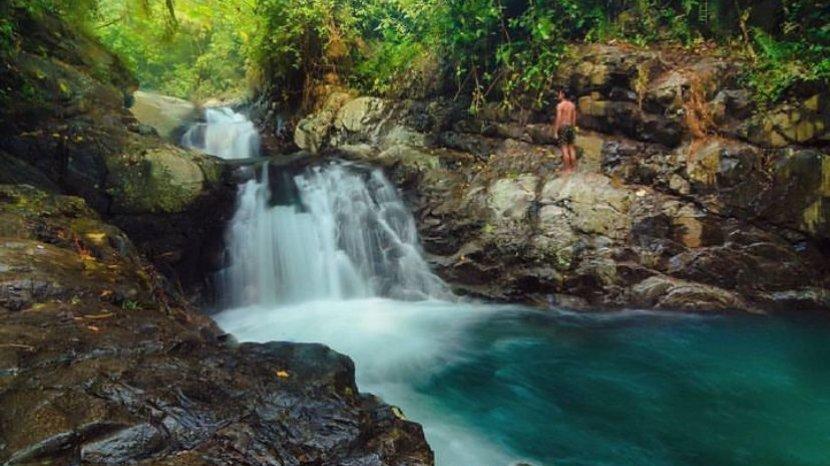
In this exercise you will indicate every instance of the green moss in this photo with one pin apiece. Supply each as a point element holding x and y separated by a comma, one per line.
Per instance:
<point>159,180</point>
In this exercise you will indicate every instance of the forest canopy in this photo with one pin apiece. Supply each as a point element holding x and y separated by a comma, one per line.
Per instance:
<point>502,50</point>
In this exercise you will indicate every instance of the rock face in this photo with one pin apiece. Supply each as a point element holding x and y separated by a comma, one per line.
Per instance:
<point>99,366</point>
<point>65,128</point>
<point>681,201</point>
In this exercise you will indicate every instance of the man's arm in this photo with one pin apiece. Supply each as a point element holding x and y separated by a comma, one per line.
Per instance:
<point>558,121</point>
<point>573,117</point>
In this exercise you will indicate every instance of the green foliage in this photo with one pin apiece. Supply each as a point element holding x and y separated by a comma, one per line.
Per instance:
<point>800,54</point>
<point>489,50</point>
<point>77,12</point>
<point>201,53</point>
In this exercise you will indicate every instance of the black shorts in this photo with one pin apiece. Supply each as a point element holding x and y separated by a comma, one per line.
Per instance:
<point>567,135</point>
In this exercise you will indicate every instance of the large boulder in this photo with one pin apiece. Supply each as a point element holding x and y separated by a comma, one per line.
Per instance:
<point>162,179</point>
<point>168,115</point>
<point>312,132</point>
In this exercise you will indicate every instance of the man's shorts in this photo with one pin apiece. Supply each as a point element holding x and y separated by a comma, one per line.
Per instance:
<point>567,136</point>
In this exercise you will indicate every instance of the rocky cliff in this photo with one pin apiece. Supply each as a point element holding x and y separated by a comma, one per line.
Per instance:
<point>688,196</point>
<point>102,361</point>
<point>65,127</point>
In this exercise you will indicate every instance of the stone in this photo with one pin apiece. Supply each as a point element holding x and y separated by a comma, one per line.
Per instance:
<point>410,158</point>
<point>361,115</point>
<point>124,446</point>
<point>108,368</point>
<point>168,115</point>
<point>703,164</point>
<point>668,91</point>
<point>591,146</point>
<point>671,294</point>
<point>594,205</point>
<point>311,132</point>
<point>510,199</point>
<point>163,179</point>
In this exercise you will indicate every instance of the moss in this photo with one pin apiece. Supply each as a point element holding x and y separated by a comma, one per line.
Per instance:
<point>158,180</point>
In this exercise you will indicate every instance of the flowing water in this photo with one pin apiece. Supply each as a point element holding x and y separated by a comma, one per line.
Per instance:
<point>331,255</point>
<point>225,133</point>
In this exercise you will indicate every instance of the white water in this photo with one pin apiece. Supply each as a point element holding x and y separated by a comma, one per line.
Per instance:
<point>338,261</point>
<point>346,234</point>
<point>396,346</point>
<point>225,133</point>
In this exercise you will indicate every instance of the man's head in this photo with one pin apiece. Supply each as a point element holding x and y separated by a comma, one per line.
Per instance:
<point>563,94</point>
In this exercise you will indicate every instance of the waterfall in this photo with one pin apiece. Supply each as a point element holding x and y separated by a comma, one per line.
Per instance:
<point>344,233</point>
<point>225,133</point>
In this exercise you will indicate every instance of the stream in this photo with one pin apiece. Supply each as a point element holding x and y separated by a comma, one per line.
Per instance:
<point>331,255</point>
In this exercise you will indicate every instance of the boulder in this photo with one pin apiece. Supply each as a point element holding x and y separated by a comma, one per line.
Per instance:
<point>168,115</point>
<point>510,199</point>
<point>312,132</point>
<point>671,294</point>
<point>162,179</point>
<point>592,203</point>
<point>796,122</point>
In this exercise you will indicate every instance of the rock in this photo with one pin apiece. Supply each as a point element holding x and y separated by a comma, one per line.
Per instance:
<point>666,293</point>
<point>591,147</point>
<point>168,115</point>
<point>54,247</point>
<point>510,199</point>
<point>363,116</point>
<point>164,179</point>
<point>805,122</point>
<point>593,205</point>
<point>311,132</point>
<point>75,135</point>
<point>16,171</point>
<point>124,446</point>
<point>680,180</point>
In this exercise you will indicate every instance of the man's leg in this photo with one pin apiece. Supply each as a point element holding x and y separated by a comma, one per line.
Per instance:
<point>572,150</point>
<point>566,153</point>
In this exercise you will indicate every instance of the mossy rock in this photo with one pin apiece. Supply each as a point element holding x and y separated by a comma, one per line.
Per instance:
<point>162,179</point>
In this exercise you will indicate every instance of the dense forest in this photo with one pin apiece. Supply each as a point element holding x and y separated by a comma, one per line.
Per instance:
<point>489,50</point>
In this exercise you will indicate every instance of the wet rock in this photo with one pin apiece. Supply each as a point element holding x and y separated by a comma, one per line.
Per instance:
<point>124,446</point>
<point>666,293</point>
<point>100,366</point>
<point>160,180</point>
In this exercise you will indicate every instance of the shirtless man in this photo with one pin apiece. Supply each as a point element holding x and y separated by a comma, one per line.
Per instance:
<point>564,130</point>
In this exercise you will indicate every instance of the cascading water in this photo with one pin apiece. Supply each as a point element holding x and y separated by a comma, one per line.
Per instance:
<point>345,234</point>
<point>326,256</point>
<point>225,133</point>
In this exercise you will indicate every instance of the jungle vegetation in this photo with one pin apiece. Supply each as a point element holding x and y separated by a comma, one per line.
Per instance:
<point>487,50</point>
